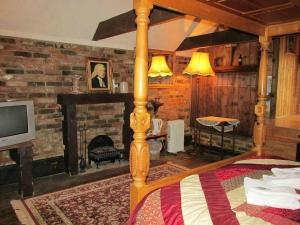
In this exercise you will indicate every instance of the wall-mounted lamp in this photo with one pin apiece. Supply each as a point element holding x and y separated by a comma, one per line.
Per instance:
<point>159,67</point>
<point>199,65</point>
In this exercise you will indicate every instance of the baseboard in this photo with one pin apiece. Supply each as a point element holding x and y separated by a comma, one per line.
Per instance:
<point>40,168</point>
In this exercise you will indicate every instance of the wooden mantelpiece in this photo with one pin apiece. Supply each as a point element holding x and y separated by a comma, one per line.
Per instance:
<point>69,102</point>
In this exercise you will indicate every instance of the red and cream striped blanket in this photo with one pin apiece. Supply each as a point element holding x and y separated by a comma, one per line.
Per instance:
<point>215,197</point>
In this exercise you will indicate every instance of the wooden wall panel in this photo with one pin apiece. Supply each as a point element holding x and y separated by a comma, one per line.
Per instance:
<point>297,83</point>
<point>286,102</point>
<point>227,95</point>
<point>230,94</point>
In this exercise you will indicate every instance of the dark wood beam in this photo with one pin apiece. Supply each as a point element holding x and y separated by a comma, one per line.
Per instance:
<point>217,38</point>
<point>125,22</point>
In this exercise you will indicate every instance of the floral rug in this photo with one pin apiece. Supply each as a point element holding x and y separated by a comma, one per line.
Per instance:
<point>100,202</point>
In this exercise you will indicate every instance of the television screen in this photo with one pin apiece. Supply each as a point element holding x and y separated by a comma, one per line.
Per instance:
<point>13,120</point>
<point>17,122</point>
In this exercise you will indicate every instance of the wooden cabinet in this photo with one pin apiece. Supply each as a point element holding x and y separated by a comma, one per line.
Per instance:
<point>24,163</point>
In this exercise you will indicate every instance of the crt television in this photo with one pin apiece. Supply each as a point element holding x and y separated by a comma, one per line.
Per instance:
<point>16,122</point>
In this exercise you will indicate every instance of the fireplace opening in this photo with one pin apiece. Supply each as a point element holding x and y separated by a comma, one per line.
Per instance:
<point>101,148</point>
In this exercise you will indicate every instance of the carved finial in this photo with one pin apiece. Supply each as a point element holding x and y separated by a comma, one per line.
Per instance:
<point>264,42</point>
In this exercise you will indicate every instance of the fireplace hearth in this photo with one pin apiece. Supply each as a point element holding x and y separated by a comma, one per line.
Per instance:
<point>101,148</point>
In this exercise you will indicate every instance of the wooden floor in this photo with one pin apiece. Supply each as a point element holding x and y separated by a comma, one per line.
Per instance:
<point>189,159</point>
<point>282,136</point>
<point>292,121</point>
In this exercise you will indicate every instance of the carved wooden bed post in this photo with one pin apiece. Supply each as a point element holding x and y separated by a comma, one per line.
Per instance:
<point>259,134</point>
<point>140,118</point>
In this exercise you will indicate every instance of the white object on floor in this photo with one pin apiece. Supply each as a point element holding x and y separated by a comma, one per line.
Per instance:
<point>260,193</point>
<point>154,149</point>
<point>175,136</point>
<point>291,180</point>
<point>285,171</point>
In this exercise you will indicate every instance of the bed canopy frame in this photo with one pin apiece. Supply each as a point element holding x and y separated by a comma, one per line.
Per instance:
<point>140,118</point>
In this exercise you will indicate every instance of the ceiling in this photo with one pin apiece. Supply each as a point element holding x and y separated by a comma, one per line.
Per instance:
<point>267,12</point>
<point>76,22</point>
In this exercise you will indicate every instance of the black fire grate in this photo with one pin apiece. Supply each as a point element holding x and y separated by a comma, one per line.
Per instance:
<point>101,148</point>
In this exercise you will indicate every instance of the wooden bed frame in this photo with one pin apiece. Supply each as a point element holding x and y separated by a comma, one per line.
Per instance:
<point>140,118</point>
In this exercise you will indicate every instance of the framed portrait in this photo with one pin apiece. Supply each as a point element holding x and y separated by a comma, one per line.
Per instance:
<point>161,82</point>
<point>99,76</point>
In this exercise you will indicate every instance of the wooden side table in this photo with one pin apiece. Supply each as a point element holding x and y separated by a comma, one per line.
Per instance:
<point>24,162</point>
<point>220,124</point>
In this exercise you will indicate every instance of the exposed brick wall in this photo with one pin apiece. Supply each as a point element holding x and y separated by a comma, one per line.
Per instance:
<point>40,70</point>
<point>241,144</point>
<point>102,119</point>
<point>176,102</point>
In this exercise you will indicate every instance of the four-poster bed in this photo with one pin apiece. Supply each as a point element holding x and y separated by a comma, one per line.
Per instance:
<point>140,119</point>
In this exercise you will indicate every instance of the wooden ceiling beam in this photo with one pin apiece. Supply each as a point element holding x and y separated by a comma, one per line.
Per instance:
<point>283,29</point>
<point>125,22</point>
<point>205,11</point>
<point>295,2</point>
<point>217,38</point>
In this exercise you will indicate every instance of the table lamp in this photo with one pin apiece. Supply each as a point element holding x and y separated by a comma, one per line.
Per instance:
<point>159,67</point>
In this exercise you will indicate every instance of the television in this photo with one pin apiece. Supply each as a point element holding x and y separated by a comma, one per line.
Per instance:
<point>16,122</point>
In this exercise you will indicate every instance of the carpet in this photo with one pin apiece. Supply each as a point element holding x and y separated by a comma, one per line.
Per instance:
<point>100,202</point>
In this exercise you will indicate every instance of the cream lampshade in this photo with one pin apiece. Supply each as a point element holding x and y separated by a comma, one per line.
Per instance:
<point>199,65</point>
<point>159,67</point>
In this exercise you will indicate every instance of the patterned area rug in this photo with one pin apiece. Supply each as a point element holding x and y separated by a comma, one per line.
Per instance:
<point>101,202</point>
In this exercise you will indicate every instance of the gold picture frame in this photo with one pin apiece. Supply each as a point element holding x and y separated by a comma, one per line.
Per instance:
<point>99,75</point>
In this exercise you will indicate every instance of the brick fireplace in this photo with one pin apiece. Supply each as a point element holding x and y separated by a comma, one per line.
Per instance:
<point>69,102</point>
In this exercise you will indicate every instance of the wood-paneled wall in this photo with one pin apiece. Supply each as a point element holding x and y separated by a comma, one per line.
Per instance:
<point>286,102</point>
<point>226,95</point>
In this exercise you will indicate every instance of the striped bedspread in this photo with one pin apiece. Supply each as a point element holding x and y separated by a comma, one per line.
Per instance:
<point>215,197</point>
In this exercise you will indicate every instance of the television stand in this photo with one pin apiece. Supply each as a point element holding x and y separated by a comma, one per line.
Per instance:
<point>24,163</point>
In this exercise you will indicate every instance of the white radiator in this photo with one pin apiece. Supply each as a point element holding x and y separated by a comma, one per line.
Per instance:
<point>175,136</point>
